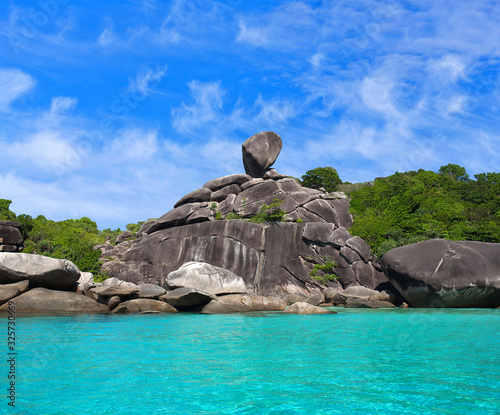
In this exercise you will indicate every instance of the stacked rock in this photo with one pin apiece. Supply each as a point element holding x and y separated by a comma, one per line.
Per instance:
<point>11,239</point>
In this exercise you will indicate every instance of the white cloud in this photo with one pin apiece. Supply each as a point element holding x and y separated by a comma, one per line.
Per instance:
<point>132,145</point>
<point>377,95</point>
<point>13,84</point>
<point>254,36</point>
<point>148,77</point>
<point>275,112</point>
<point>207,103</point>
<point>62,104</point>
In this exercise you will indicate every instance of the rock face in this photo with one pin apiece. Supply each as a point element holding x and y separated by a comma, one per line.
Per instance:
<point>260,152</point>
<point>143,305</point>
<point>8,291</point>
<point>442,273</point>
<point>271,258</point>
<point>207,278</point>
<point>11,239</point>
<point>39,270</point>
<point>45,301</point>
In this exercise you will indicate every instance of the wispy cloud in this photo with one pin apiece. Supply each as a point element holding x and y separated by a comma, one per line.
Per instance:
<point>14,83</point>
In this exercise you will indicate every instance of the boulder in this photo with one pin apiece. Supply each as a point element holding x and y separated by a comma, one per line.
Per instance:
<point>13,223</point>
<point>221,194</point>
<point>207,278</point>
<point>9,291</point>
<point>175,217</point>
<point>260,152</point>
<point>306,308</point>
<point>315,299</point>
<point>224,181</point>
<point>362,303</point>
<point>10,235</point>
<point>187,298</point>
<point>124,237</point>
<point>368,276</point>
<point>40,271</point>
<point>243,303</point>
<point>116,290</point>
<point>200,215</point>
<point>318,232</point>
<point>113,302</point>
<point>86,278</point>
<point>290,299</point>
<point>143,305</point>
<point>152,291</point>
<point>9,248</point>
<point>45,301</point>
<point>360,246</point>
<point>199,195</point>
<point>443,273</point>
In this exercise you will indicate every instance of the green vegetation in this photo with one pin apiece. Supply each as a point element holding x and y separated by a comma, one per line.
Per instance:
<point>326,271</point>
<point>326,177</point>
<point>270,213</point>
<point>410,207</point>
<point>72,239</point>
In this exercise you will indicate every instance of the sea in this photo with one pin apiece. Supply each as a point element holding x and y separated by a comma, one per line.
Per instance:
<point>358,361</point>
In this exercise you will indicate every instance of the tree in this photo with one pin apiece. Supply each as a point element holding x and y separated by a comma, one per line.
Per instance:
<point>456,172</point>
<point>5,212</point>
<point>326,177</point>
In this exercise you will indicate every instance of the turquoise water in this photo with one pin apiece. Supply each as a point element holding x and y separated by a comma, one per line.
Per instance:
<point>354,362</point>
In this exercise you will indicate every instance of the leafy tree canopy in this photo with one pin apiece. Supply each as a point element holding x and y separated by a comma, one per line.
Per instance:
<point>326,177</point>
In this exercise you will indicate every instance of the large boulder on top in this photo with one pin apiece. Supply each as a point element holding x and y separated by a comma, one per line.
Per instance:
<point>443,273</point>
<point>10,235</point>
<point>40,271</point>
<point>260,152</point>
<point>207,278</point>
<point>45,301</point>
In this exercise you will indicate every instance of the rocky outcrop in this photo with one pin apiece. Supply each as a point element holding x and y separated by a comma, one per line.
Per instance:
<point>243,303</point>
<point>306,308</point>
<point>271,258</point>
<point>39,270</point>
<point>45,301</point>
<point>11,239</point>
<point>206,278</point>
<point>187,298</point>
<point>443,273</point>
<point>260,152</point>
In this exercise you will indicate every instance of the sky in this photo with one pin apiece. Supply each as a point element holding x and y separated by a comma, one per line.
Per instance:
<point>115,110</point>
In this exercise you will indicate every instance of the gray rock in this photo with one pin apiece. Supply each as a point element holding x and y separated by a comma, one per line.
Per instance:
<point>145,226</point>
<point>368,276</point>
<point>200,215</point>
<point>306,308</point>
<point>9,291</point>
<point>9,248</point>
<point>341,209</point>
<point>290,299</point>
<point>45,301</point>
<point>224,181</point>
<point>221,194</point>
<point>152,291</point>
<point>143,305</point>
<point>86,278</point>
<point>362,303</point>
<point>242,303</point>
<point>349,254</point>
<point>117,290</point>
<point>272,174</point>
<point>251,183</point>
<point>12,223</point>
<point>199,195</point>
<point>123,237</point>
<point>113,302</point>
<point>207,278</point>
<point>443,273</point>
<point>330,294</point>
<point>175,217</point>
<point>315,299</point>
<point>39,270</point>
<point>319,232</point>
<point>10,235</point>
<point>260,152</point>
<point>360,246</point>
<point>323,209</point>
<point>227,206</point>
<point>185,298</point>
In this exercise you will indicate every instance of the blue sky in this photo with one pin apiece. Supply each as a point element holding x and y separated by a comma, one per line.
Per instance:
<point>115,111</point>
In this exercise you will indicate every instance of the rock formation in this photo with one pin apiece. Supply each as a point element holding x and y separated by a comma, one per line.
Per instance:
<point>11,239</point>
<point>211,225</point>
<point>442,273</point>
